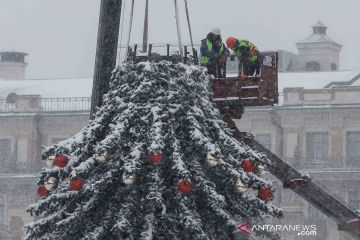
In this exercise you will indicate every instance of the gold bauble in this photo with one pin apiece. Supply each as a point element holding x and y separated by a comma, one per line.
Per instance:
<point>50,161</point>
<point>101,156</point>
<point>261,170</point>
<point>128,178</point>
<point>51,184</point>
<point>213,162</point>
<point>240,186</point>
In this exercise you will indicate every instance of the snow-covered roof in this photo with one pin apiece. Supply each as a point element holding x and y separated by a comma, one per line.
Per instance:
<point>318,24</point>
<point>82,87</point>
<point>318,80</point>
<point>319,35</point>
<point>48,88</point>
<point>320,38</point>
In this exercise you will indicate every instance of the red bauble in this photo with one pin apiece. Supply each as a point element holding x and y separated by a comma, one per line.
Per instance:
<point>247,165</point>
<point>76,184</point>
<point>156,158</point>
<point>265,194</point>
<point>42,192</point>
<point>61,160</point>
<point>185,186</point>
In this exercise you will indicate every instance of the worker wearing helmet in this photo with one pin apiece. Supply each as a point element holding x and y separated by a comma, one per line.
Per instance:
<point>248,55</point>
<point>213,52</point>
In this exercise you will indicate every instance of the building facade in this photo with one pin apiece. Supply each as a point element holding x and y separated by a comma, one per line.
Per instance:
<point>316,131</point>
<point>25,126</point>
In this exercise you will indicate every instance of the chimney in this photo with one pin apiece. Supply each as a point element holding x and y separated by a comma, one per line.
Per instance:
<point>12,65</point>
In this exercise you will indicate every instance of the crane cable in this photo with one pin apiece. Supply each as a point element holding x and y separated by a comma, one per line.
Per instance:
<point>129,34</point>
<point>121,31</point>
<point>178,29</point>
<point>188,21</point>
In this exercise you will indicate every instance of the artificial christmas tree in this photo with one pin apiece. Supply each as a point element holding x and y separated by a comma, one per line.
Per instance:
<point>152,108</point>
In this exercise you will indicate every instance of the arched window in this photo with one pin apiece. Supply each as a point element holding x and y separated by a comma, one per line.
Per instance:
<point>333,67</point>
<point>312,66</point>
<point>2,209</point>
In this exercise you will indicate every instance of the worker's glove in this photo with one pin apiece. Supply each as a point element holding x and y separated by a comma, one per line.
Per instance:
<point>242,76</point>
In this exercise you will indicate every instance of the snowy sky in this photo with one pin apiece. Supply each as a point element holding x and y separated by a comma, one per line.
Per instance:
<point>60,35</point>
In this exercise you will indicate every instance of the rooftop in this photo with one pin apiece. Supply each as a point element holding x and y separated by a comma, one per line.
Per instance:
<point>73,94</point>
<point>48,88</point>
<point>319,35</point>
<point>318,38</point>
<point>318,80</point>
<point>319,24</point>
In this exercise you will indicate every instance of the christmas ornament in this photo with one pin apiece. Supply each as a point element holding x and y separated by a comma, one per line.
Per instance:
<point>76,184</point>
<point>261,170</point>
<point>213,162</point>
<point>101,156</point>
<point>156,158</point>
<point>61,160</point>
<point>265,194</point>
<point>128,178</point>
<point>51,183</point>
<point>42,192</point>
<point>240,187</point>
<point>50,161</point>
<point>247,165</point>
<point>185,186</point>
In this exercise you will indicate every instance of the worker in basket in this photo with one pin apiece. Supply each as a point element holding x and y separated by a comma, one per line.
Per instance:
<point>214,53</point>
<point>248,55</point>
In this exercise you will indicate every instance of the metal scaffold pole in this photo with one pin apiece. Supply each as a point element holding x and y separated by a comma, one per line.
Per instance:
<point>106,50</point>
<point>178,29</point>
<point>188,21</point>
<point>146,27</point>
<point>129,33</point>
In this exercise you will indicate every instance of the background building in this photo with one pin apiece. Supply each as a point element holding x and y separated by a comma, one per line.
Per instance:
<point>317,52</point>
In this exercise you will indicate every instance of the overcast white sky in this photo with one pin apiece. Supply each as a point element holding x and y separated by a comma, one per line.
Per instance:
<point>60,35</point>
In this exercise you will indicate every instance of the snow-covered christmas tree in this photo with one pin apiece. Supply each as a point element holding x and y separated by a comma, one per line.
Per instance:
<point>156,163</point>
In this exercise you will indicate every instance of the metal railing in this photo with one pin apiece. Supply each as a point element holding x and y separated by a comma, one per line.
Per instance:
<point>6,107</point>
<point>65,104</point>
<point>78,104</point>
<point>330,163</point>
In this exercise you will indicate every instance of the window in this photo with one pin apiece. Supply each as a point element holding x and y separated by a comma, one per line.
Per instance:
<point>2,210</point>
<point>353,149</point>
<point>333,67</point>
<point>22,150</point>
<point>317,147</point>
<point>4,151</point>
<point>264,139</point>
<point>312,67</point>
<point>289,198</point>
<point>314,213</point>
<point>354,199</point>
